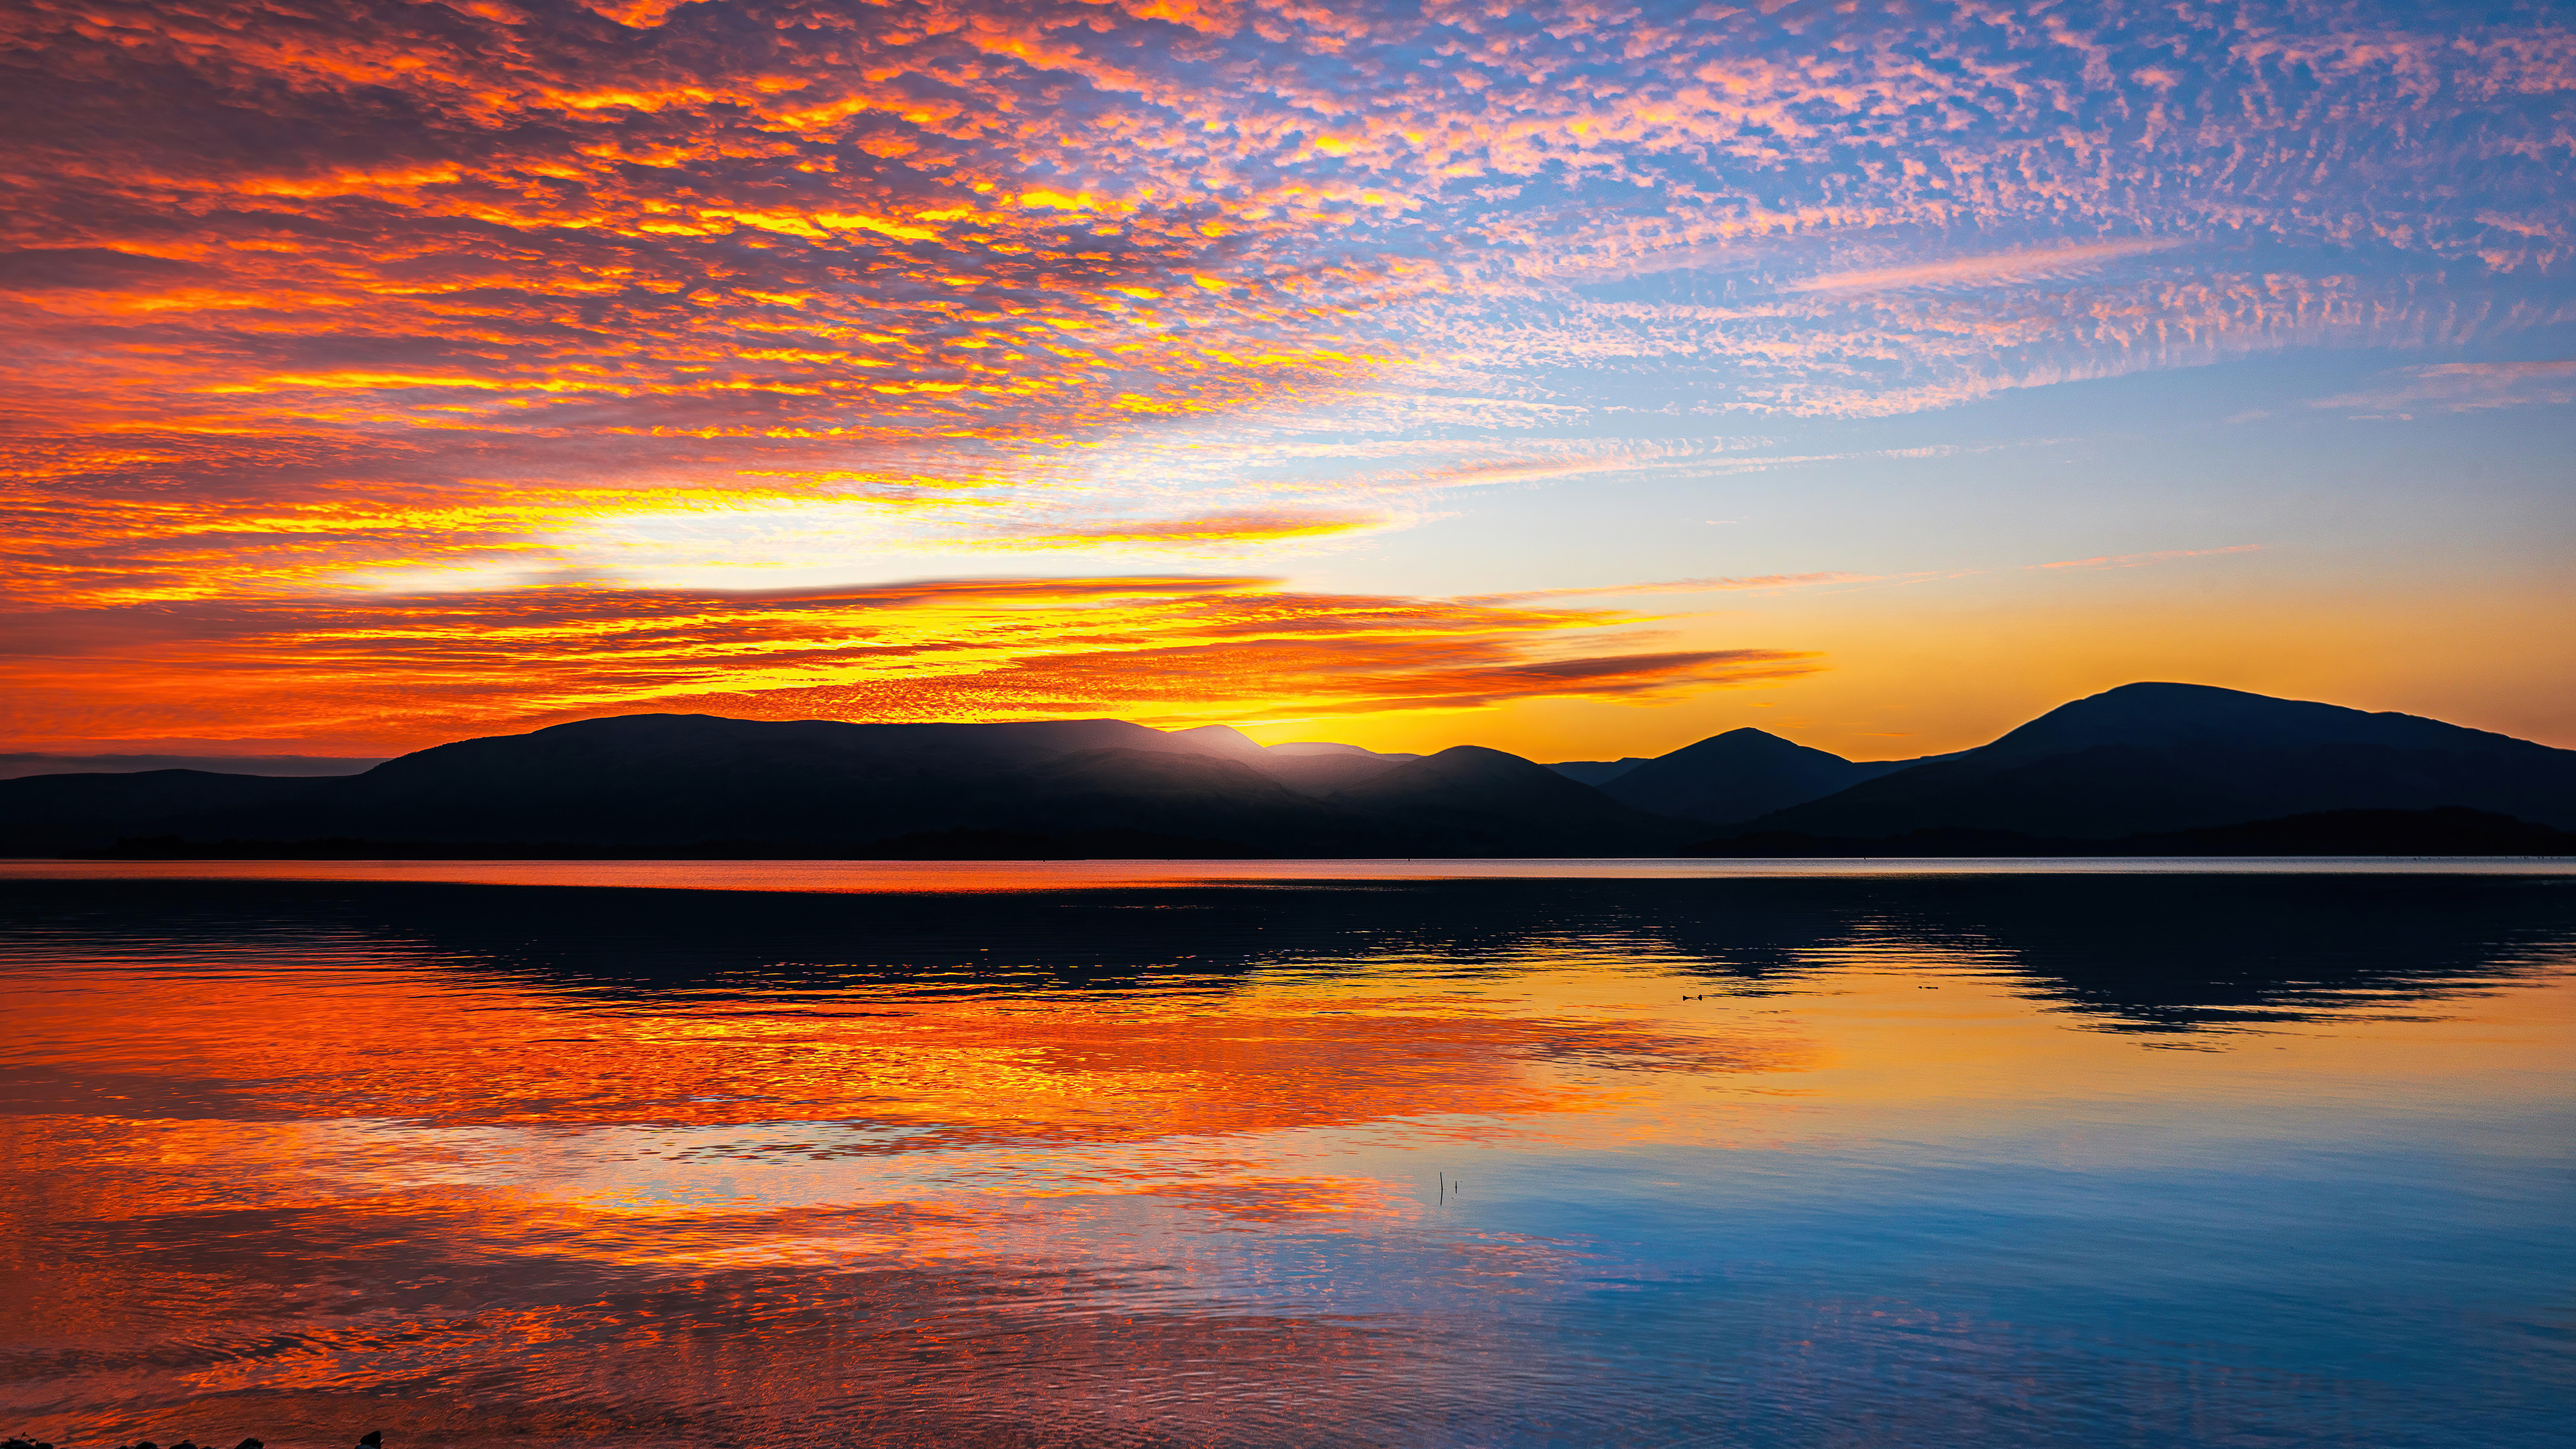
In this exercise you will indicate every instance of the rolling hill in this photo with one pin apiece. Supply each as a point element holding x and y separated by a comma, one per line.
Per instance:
<point>1739,775</point>
<point>2179,767</point>
<point>2153,758</point>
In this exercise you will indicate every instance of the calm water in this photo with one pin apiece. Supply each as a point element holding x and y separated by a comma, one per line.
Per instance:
<point>833,1155</point>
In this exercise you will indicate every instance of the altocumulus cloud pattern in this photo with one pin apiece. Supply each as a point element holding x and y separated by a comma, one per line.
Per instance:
<point>407,357</point>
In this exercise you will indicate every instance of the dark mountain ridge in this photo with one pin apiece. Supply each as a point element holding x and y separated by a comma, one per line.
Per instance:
<point>2446,830</point>
<point>59,814</point>
<point>2160,767</point>
<point>2150,758</point>
<point>1487,802</point>
<point>1739,775</point>
<point>1596,773</point>
<point>676,779</point>
<point>677,782</point>
<point>19,764</point>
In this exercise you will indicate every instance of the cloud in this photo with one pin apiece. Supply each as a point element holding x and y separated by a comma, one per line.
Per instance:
<point>1770,583</point>
<point>305,300</point>
<point>1988,270</point>
<point>379,673</point>
<point>1216,531</point>
<point>2461,387</point>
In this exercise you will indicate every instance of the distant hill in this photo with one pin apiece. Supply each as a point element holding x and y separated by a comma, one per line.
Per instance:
<point>1315,768</point>
<point>1488,802</point>
<point>697,783</point>
<point>65,814</point>
<point>16,765</point>
<point>2153,768</point>
<point>675,780</point>
<point>2450,830</point>
<point>1739,775</point>
<point>1597,773</point>
<point>2148,758</point>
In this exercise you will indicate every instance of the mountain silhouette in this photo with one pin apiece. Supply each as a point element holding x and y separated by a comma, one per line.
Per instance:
<point>74,813</point>
<point>674,780</point>
<point>2146,768</point>
<point>1739,775</point>
<point>2152,758</point>
<point>2444,830</point>
<point>1316,768</point>
<point>14,765</point>
<point>1597,773</point>
<point>690,784</point>
<point>1492,803</point>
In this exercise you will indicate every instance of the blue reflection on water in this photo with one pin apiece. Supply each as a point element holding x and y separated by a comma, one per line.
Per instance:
<point>2366,1245</point>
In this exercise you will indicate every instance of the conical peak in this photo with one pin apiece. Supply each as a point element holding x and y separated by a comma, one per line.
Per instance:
<point>1747,741</point>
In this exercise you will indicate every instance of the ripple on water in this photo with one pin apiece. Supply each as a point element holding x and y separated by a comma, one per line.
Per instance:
<point>1785,1161</point>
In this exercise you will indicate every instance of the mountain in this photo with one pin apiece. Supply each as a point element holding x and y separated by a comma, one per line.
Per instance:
<point>1495,803</point>
<point>689,784</point>
<point>2149,767</point>
<point>1739,775</point>
<point>14,766</point>
<point>1164,792</point>
<point>2157,758</point>
<point>1312,767</point>
<point>2447,830</point>
<point>1596,773</point>
<point>51,814</point>
<point>675,780</point>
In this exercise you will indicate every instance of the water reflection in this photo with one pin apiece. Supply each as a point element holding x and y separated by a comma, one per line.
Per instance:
<point>2149,952</point>
<point>1757,1161</point>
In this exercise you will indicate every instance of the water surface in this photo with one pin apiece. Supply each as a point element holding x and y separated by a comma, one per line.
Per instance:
<point>926,1155</point>
<point>1028,875</point>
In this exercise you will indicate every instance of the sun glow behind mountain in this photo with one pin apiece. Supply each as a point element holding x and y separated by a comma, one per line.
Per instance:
<point>387,372</point>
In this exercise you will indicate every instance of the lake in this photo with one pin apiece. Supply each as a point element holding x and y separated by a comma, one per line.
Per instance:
<point>1741,1154</point>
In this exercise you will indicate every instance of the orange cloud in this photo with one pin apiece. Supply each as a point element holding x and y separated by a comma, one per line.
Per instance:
<point>384,672</point>
<point>305,300</point>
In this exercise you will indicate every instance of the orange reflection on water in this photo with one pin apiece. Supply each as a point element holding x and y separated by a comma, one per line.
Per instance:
<point>329,1183</point>
<point>297,1137</point>
<point>350,1046</point>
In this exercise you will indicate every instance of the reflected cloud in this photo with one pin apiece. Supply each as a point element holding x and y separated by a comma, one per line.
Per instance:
<point>572,1162</point>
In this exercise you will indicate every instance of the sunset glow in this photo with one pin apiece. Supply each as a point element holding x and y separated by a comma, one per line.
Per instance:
<point>1578,379</point>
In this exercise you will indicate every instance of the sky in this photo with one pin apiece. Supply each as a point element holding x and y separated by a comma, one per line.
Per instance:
<point>1578,379</point>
